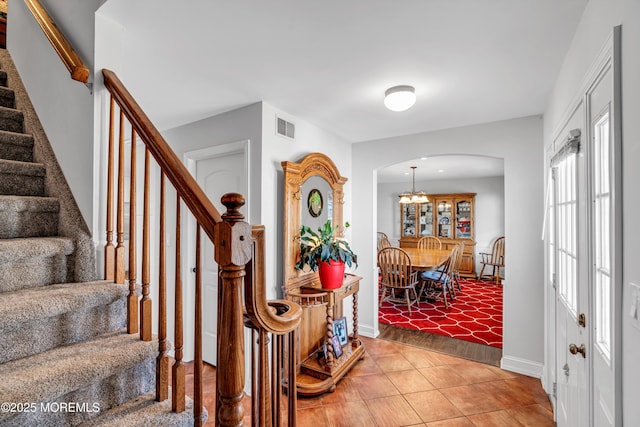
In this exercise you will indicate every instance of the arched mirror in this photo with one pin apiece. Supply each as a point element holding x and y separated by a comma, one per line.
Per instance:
<point>313,193</point>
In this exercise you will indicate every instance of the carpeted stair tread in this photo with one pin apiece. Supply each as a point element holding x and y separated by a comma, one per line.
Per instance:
<point>26,305</point>
<point>34,247</point>
<point>7,97</point>
<point>144,411</point>
<point>21,178</point>
<point>16,146</point>
<point>22,168</point>
<point>11,119</point>
<point>28,203</point>
<point>28,216</point>
<point>54,373</point>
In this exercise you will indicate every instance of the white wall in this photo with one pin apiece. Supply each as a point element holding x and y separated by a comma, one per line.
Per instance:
<point>256,123</point>
<point>518,142</point>
<point>488,207</point>
<point>64,106</point>
<point>276,149</point>
<point>595,26</point>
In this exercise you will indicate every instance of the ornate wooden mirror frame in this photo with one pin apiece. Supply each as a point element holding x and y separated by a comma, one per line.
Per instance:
<point>295,175</point>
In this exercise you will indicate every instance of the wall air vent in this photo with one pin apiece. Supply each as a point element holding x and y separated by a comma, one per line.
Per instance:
<point>285,128</point>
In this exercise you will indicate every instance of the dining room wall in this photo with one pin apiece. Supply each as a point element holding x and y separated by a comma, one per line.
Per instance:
<point>488,206</point>
<point>518,142</point>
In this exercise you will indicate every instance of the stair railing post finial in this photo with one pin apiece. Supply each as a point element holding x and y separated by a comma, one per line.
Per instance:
<point>232,252</point>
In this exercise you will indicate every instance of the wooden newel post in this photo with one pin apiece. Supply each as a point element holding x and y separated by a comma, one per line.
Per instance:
<point>232,239</point>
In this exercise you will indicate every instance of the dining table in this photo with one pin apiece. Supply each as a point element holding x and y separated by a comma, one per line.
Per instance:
<point>427,259</point>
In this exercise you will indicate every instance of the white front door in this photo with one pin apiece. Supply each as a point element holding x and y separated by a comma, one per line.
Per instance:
<point>586,233</point>
<point>218,175</point>
<point>571,285</point>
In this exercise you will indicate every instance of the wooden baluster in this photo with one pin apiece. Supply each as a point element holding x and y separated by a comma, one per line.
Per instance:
<point>197,370</point>
<point>292,380</point>
<point>132,298</point>
<point>145,302</point>
<point>119,259</point>
<point>255,374</point>
<point>109,249</point>
<point>264,389</point>
<point>276,385</point>
<point>162,361</point>
<point>232,252</point>
<point>178,377</point>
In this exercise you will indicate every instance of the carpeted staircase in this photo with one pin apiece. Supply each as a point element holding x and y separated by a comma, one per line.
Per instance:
<point>65,358</point>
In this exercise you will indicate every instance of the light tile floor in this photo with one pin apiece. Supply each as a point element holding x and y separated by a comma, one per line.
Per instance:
<point>401,385</point>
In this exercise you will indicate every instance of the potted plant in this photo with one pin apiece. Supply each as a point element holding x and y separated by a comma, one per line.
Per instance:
<point>326,253</point>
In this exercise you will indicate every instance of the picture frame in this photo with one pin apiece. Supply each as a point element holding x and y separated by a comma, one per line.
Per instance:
<point>340,330</point>
<point>315,203</point>
<point>337,348</point>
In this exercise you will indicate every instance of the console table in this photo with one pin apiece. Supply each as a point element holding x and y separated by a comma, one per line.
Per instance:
<point>321,370</point>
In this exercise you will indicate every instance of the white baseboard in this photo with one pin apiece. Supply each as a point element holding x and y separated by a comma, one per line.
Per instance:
<point>521,366</point>
<point>368,331</point>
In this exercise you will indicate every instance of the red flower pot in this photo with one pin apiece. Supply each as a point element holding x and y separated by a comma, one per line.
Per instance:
<point>331,274</point>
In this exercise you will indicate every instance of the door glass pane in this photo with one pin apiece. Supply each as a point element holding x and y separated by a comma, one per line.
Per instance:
<point>602,224</point>
<point>566,230</point>
<point>552,236</point>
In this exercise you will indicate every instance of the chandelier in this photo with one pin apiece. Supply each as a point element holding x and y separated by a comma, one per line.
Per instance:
<point>413,196</point>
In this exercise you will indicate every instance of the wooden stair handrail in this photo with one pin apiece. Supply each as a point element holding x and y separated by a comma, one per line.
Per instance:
<point>61,45</point>
<point>240,255</point>
<point>277,317</point>
<point>204,211</point>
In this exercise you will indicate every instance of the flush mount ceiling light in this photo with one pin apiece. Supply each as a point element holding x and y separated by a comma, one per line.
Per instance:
<point>413,196</point>
<point>400,98</point>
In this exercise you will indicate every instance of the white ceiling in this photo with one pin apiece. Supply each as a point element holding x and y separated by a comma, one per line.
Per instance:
<point>442,167</point>
<point>329,62</point>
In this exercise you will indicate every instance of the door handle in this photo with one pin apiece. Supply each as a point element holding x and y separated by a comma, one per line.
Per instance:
<point>574,349</point>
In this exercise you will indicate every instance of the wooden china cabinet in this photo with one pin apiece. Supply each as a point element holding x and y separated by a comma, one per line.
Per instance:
<point>449,217</point>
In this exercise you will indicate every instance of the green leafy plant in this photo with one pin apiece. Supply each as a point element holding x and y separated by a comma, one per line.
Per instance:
<point>323,246</point>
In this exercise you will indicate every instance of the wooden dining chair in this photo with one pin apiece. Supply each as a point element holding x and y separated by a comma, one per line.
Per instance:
<point>440,280</point>
<point>456,265</point>
<point>429,242</point>
<point>383,240</point>
<point>398,278</point>
<point>495,259</point>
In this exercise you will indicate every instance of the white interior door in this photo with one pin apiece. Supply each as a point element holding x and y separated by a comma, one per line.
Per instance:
<point>218,175</point>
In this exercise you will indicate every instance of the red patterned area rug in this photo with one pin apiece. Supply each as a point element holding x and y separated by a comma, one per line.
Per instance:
<point>475,315</point>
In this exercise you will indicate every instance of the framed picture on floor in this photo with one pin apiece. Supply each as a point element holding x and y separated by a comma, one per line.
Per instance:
<point>337,348</point>
<point>340,330</point>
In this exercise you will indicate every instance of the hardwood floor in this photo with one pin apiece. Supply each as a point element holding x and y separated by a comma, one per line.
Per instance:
<point>451,346</point>
<point>400,385</point>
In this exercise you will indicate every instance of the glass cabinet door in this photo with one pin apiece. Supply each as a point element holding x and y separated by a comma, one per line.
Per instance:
<point>444,219</point>
<point>408,219</point>
<point>463,219</point>
<point>426,219</point>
